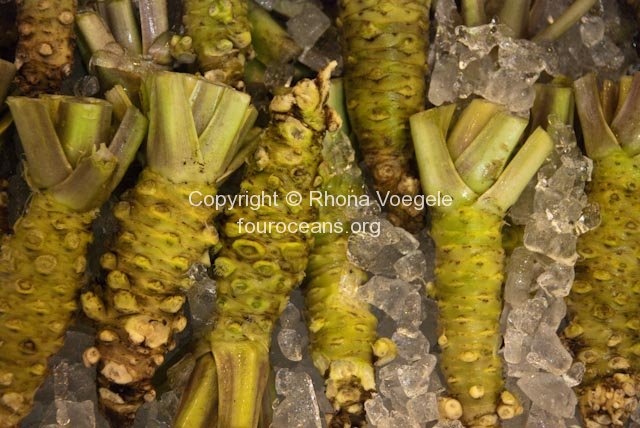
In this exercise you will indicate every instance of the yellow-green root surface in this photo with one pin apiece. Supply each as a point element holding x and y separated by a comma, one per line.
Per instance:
<point>469,276</point>
<point>257,269</point>
<point>221,37</point>
<point>161,235</point>
<point>342,329</point>
<point>41,272</point>
<point>46,40</point>
<point>385,47</point>
<point>604,331</point>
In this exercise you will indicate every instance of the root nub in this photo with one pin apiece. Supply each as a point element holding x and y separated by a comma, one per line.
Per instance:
<point>610,402</point>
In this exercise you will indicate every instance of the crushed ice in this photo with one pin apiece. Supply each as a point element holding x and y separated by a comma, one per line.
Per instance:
<point>539,276</point>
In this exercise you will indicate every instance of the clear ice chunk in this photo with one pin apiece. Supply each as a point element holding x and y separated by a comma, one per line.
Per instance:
<point>411,267</point>
<point>290,343</point>
<point>548,353</point>
<point>549,392</point>
<point>423,408</point>
<point>375,409</point>
<point>414,378</point>
<point>299,408</point>
<point>307,26</point>
<point>412,344</point>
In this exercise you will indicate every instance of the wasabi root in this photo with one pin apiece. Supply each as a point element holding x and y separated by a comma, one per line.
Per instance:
<point>71,172</point>
<point>256,271</point>
<point>342,328</point>
<point>469,252</point>
<point>220,34</point>
<point>44,55</point>
<point>603,303</point>
<point>385,48</point>
<point>196,130</point>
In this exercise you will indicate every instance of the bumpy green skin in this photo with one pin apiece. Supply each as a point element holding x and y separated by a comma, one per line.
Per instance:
<point>221,36</point>
<point>469,275</point>
<point>603,305</point>
<point>257,271</point>
<point>161,235</point>
<point>342,329</point>
<point>385,46</point>
<point>46,40</point>
<point>41,270</point>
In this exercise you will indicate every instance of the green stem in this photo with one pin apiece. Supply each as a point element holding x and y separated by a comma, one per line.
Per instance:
<point>119,99</point>
<point>84,189</point>
<point>483,161</point>
<point>82,126</point>
<point>551,100</point>
<point>624,86</point>
<point>174,148</point>
<point>626,124</point>
<point>154,21</point>
<point>47,162</point>
<point>507,189</point>
<point>124,26</point>
<point>126,142</point>
<point>609,99</point>
<point>271,42</point>
<point>564,21</point>
<point>598,137</point>
<point>469,125</point>
<point>7,73</point>
<point>199,401</point>
<point>437,171</point>
<point>337,102</point>
<point>515,14</point>
<point>94,31</point>
<point>473,13</point>
<point>254,72</point>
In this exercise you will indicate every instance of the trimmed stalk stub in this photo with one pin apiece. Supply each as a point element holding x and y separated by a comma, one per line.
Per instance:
<point>42,263</point>
<point>603,303</point>
<point>195,134</point>
<point>469,254</point>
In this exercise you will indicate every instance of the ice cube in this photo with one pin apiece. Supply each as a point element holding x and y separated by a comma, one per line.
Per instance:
<point>278,75</point>
<point>290,317</point>
<point>307,26</point>
<point>75,414</point>
<point>299,408</point>
<point>557,279</point>
<point>414,377</point>
<point>86,86</point>
<point>407,243</point>
<point>290,343</point>
<point>289,8</point>
<point>548,353</point>
<point>527,317</point>
<point>375,409</point>
<point>202,302</point>
<point>423,408</point>
<point>411,267</point>
<point>574,375</point>
<point>539,418</point>
<point>412,344</point>
<point>523,267</point>
<point>549,392</point>
<point>516,344</point>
